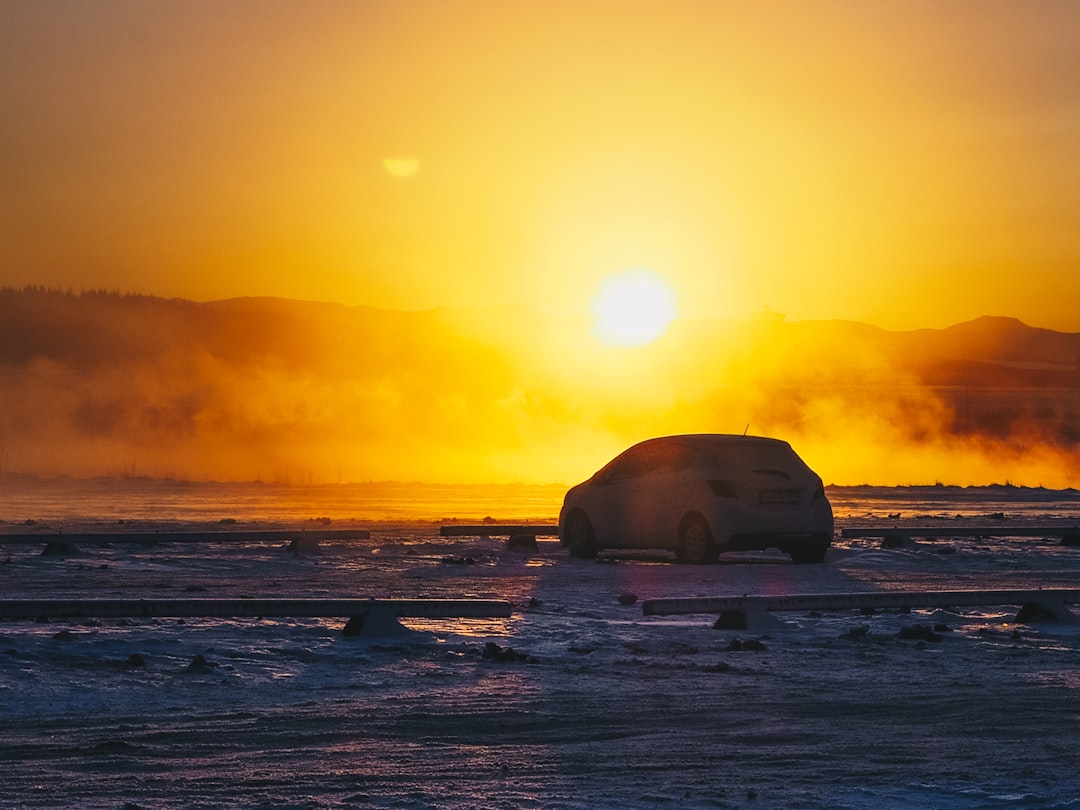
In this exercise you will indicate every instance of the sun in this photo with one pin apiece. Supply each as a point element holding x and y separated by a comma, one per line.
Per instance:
<point>632,308</point>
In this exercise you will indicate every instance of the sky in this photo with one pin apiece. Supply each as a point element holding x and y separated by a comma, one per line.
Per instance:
<point>905,164</point>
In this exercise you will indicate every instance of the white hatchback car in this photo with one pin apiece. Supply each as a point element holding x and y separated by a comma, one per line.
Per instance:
<point>698,495</point>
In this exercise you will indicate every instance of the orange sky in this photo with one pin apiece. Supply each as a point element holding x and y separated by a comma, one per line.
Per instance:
<point>906,164</point>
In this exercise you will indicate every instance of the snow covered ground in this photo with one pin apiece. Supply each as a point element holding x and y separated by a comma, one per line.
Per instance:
<point>598,706</point>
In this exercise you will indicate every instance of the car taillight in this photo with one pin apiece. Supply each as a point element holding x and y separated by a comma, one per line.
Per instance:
<point>725,489</point>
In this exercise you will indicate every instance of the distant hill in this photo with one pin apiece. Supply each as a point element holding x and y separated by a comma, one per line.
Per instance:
<point>988,351</point>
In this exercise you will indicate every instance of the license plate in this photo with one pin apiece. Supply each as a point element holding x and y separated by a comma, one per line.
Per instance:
<point>778,496</point>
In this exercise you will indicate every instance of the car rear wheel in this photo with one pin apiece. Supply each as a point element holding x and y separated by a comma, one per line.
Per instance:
<point>696,542</point>
<point>580,541</point>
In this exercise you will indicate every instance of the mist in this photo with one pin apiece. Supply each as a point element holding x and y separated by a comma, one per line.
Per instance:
<point>102,384</point>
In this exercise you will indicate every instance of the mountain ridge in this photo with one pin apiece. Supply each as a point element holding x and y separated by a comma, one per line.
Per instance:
<point>73,327</point>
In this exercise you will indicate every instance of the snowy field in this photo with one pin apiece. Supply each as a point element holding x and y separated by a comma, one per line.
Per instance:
<point>598,706</point>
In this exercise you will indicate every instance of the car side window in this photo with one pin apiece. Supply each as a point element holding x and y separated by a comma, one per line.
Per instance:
<point>649,459</point>
<point>623,468</point>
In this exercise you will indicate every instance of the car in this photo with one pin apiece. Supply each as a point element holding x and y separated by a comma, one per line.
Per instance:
<point>699,495</point>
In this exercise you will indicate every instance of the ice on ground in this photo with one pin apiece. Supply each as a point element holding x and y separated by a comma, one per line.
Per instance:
<point>597,706</point>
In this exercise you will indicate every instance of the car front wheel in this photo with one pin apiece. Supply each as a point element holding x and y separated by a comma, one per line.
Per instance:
<point>580,541</point>
<point>696,542</point>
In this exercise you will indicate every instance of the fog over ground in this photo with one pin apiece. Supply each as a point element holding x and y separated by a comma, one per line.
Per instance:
<point>269,389</point>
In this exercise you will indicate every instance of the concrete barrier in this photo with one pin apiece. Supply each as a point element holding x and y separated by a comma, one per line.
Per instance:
<point>367,616</point>
<point>755,612</point>
<point>60,544</point>
<point>1068,535</point>
<point>521,537</point>
<point>501,530</point>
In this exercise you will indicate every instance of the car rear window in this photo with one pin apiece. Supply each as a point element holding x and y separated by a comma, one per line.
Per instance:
<point>751,455</point>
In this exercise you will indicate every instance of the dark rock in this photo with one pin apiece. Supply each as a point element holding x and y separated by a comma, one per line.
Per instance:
<point>723,666</point>
<point>918,632</point>
<point>458,560</point>
<point>200,666</point>
<point>354,626</point>
<point>735,645</point>
<point>1070,540</point>
<point>731,620</point>
<point>135,661</point>
<point>493,652</point>
<point>64,635</point>
<point>627,598</point>
<point>859,632</point>
<point>521,542</point>
<point>1033,612</point>
<point>304,545</point>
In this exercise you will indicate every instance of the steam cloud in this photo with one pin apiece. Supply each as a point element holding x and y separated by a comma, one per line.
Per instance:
<point>262,389</point>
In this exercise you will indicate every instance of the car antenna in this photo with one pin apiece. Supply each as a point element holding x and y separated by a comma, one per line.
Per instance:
<point>746,428</point>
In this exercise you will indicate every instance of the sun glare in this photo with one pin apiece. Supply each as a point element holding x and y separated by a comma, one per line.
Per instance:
<point>401,167</point>
<point>632,308</point>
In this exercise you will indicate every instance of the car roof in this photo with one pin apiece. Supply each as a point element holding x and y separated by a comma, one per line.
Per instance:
<point>709,439</point>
